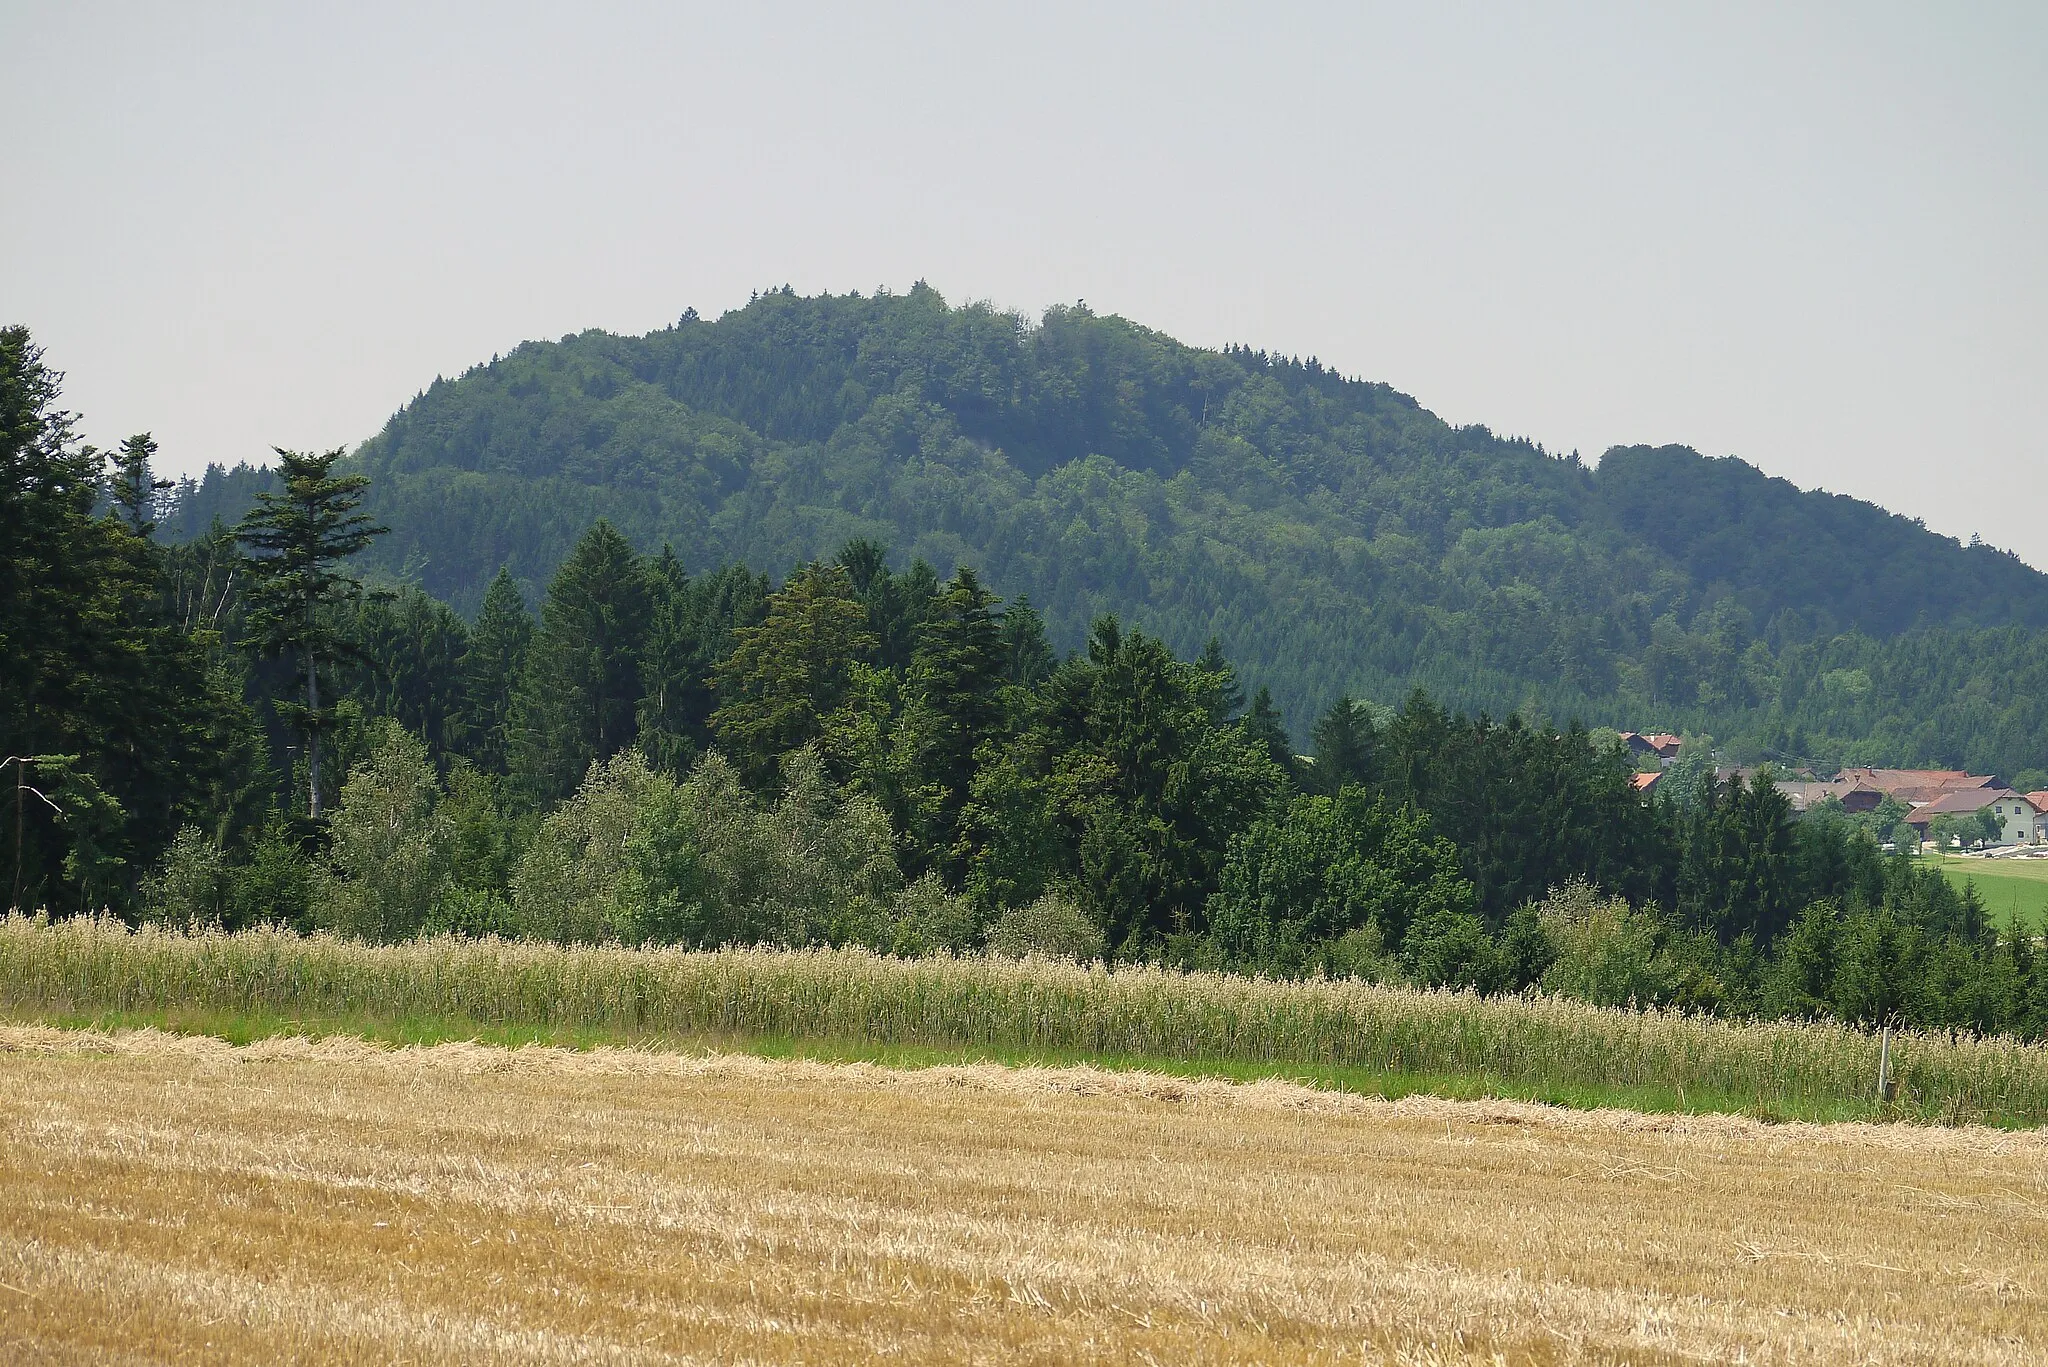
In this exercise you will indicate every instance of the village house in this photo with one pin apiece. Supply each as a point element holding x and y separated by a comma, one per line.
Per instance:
<point>1854,797</point>
<point>1662,744</point>
<point>2021,820</point>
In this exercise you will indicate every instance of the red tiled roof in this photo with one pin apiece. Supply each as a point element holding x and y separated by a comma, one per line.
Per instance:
<point>1923,785</point>
<point>1961,802</point>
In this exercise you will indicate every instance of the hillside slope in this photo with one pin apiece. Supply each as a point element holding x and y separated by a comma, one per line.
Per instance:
<point>1334,534</point>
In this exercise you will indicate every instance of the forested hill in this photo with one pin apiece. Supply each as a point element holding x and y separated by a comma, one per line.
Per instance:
<point>1332,533</point>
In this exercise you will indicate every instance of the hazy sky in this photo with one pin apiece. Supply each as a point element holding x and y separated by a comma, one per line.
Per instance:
<point>1814,238</point>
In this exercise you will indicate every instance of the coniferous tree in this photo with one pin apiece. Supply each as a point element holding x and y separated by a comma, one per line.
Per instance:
<point>1137,786</point>
<point>1345,746</point>
<point>785,676</point>
<point>579,699</point>
<point>690,632</point>
<point>895,603</point>
<point>413,647</point>
<point>109,722</point>
<point>491,670</point>
<point>1228,704</point>
<point>671,668</point>
<point>1264,727</point>
<point>298,539</point>
<point>953,707</point>
<point>1028,658</point>
<point>134,487</point>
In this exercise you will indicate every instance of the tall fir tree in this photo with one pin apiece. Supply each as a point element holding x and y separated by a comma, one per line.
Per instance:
<point>414,647</point>
<point>109,721</point>
<point>296,541</point>
<point>491,670</point>
<point>785,676</point>
<point>895,603</point>
<point>134,485</point>
<point>1344,742</point>
<point>1028,658</point>
<point>1264,726</point>
<point>1227,705</point>
<point>671,670</point>
<point>953,706</point>
<point>579,699</point>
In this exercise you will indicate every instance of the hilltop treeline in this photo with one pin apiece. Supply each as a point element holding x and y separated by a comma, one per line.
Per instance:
<point>1334,536</point>
<point>235,731</point>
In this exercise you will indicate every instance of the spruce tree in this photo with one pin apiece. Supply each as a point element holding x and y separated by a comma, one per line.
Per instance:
<point>579,698</point>
<point>1228,703</point>
<point>491,670</point>
<point>1264,727</point>
<point>1344,744</point>
<point>134,486</point>
<point>785,676</point>
<point>296,541</point>
<point>670,668</point>
<point>895,603</point>
<point>106,709</point>
<point>1028,658</point>
<point>953,707</point>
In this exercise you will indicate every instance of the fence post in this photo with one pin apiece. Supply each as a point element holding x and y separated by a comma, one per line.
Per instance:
<point>1884,1066</point>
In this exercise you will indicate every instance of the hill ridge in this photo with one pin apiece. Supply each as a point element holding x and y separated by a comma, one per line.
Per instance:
<point>1333,533</point>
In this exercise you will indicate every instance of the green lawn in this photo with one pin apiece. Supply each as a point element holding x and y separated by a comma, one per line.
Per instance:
<point>2011,888</point>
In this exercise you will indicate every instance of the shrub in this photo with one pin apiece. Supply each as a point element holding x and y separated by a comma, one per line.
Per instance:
<point>1053,927</point>
<point>1608,953</point>
<point>191,886</point>
<point>927,919</point>
<point>1331,865</point>
<point>612,863</point>
<point>636,858</point>
<point>390,859</point>
<point>276,886</point>
<point>831,857</point>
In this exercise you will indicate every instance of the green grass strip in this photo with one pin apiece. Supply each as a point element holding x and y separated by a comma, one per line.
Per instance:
<point>248,1028</point>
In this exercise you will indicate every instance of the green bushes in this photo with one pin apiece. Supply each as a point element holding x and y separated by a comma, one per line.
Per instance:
<point>1796,1068</point>
<point>1323,867</point>
<point>391,859</point>
<point>1053,927</point>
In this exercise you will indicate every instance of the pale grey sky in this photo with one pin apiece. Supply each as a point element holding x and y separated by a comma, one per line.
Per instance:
<point>1814,237</point>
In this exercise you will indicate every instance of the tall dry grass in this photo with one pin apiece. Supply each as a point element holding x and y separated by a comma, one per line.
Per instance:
<point>86,967</point>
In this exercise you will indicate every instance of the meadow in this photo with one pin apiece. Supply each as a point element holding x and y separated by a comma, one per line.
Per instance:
<point>840,1004</point>
<point>168,1198</point>
<point>2015,891</point>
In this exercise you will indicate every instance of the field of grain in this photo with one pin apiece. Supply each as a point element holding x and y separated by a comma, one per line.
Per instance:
<point>1542,1048</point>
<point>166,1198</point>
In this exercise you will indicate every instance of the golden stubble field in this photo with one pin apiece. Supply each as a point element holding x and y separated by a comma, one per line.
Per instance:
<point>171,1199</point>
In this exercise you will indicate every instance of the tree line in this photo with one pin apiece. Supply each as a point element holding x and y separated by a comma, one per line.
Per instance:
<point>238,730</point>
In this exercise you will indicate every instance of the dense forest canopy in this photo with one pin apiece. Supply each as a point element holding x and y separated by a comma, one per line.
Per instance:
<point>1335,536</point>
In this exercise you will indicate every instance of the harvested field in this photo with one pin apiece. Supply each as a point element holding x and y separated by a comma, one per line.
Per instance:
<point>166,1198</point>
